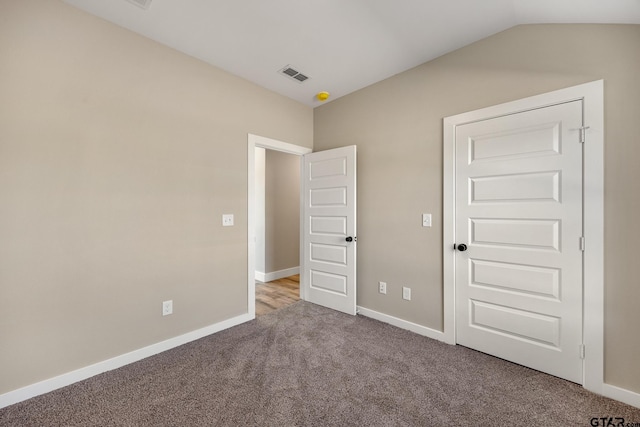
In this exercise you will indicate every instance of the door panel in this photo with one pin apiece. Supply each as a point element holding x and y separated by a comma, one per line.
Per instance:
<point>531,233</point>
<point>542,186</point>
<point>329,214</point>
<point>519,211</point>
<point>540,139</point>
<point>332,254</point>
<point>328,225</point>
<point>527,279</point>
<point>520,324</point>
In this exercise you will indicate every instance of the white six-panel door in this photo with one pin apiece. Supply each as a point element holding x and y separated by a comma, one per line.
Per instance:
<point>329,238</point>
<point>519,212</point>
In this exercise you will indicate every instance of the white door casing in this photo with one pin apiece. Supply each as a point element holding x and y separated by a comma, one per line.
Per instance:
<point>519,212</point>
<point>329,229</point>
<point>591,95</point>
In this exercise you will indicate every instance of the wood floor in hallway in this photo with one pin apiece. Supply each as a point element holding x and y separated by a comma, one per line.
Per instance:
<point>277,294</point>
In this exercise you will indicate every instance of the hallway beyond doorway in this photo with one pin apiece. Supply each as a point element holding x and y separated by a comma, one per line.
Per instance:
<point>277,294</point>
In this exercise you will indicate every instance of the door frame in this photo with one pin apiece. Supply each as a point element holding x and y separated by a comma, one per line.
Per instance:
<point>253,142</point>
<point>592,95</point>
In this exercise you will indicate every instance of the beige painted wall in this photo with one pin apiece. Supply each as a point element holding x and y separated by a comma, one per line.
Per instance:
<point>118,157</point>
<point>397,125</point>
<point>282,206</point>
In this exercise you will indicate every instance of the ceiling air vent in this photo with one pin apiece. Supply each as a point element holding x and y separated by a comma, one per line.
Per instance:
<point>289,71</point>
<point>141,3</point>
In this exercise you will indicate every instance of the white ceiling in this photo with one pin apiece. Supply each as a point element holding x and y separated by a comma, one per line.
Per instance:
<point>342,45</point>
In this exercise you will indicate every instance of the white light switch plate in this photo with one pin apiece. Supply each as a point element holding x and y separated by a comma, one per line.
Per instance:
<point>426,220</point>
<point>227,220</point>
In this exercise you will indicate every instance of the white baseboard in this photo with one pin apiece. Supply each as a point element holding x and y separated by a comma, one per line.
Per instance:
<point>621,394</point>
<point>68,378</point>
<point>260,276</point>
<point>42,387</point>
<point>275,275</point>
<point>402,324</point>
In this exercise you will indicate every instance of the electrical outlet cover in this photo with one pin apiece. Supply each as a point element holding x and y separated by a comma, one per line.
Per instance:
<point>382,287</point>
<point>167,307</point>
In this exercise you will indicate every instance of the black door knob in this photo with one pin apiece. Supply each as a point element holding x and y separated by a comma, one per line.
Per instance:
<point>349,239</point>
<point>461,247</point>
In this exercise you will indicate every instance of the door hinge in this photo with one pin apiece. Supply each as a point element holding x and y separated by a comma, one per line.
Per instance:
<point>582,244</point>
<point>581,350</point>
<point>582,133</point>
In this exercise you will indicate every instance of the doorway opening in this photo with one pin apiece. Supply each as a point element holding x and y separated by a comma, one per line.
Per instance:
<point>256,243</point>
<point>277,214</point>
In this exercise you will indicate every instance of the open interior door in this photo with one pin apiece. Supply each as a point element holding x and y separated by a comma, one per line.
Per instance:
<point>329,238</point>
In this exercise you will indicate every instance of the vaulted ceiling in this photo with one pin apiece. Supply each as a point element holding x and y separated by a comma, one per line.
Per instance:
<point>341,45</point>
